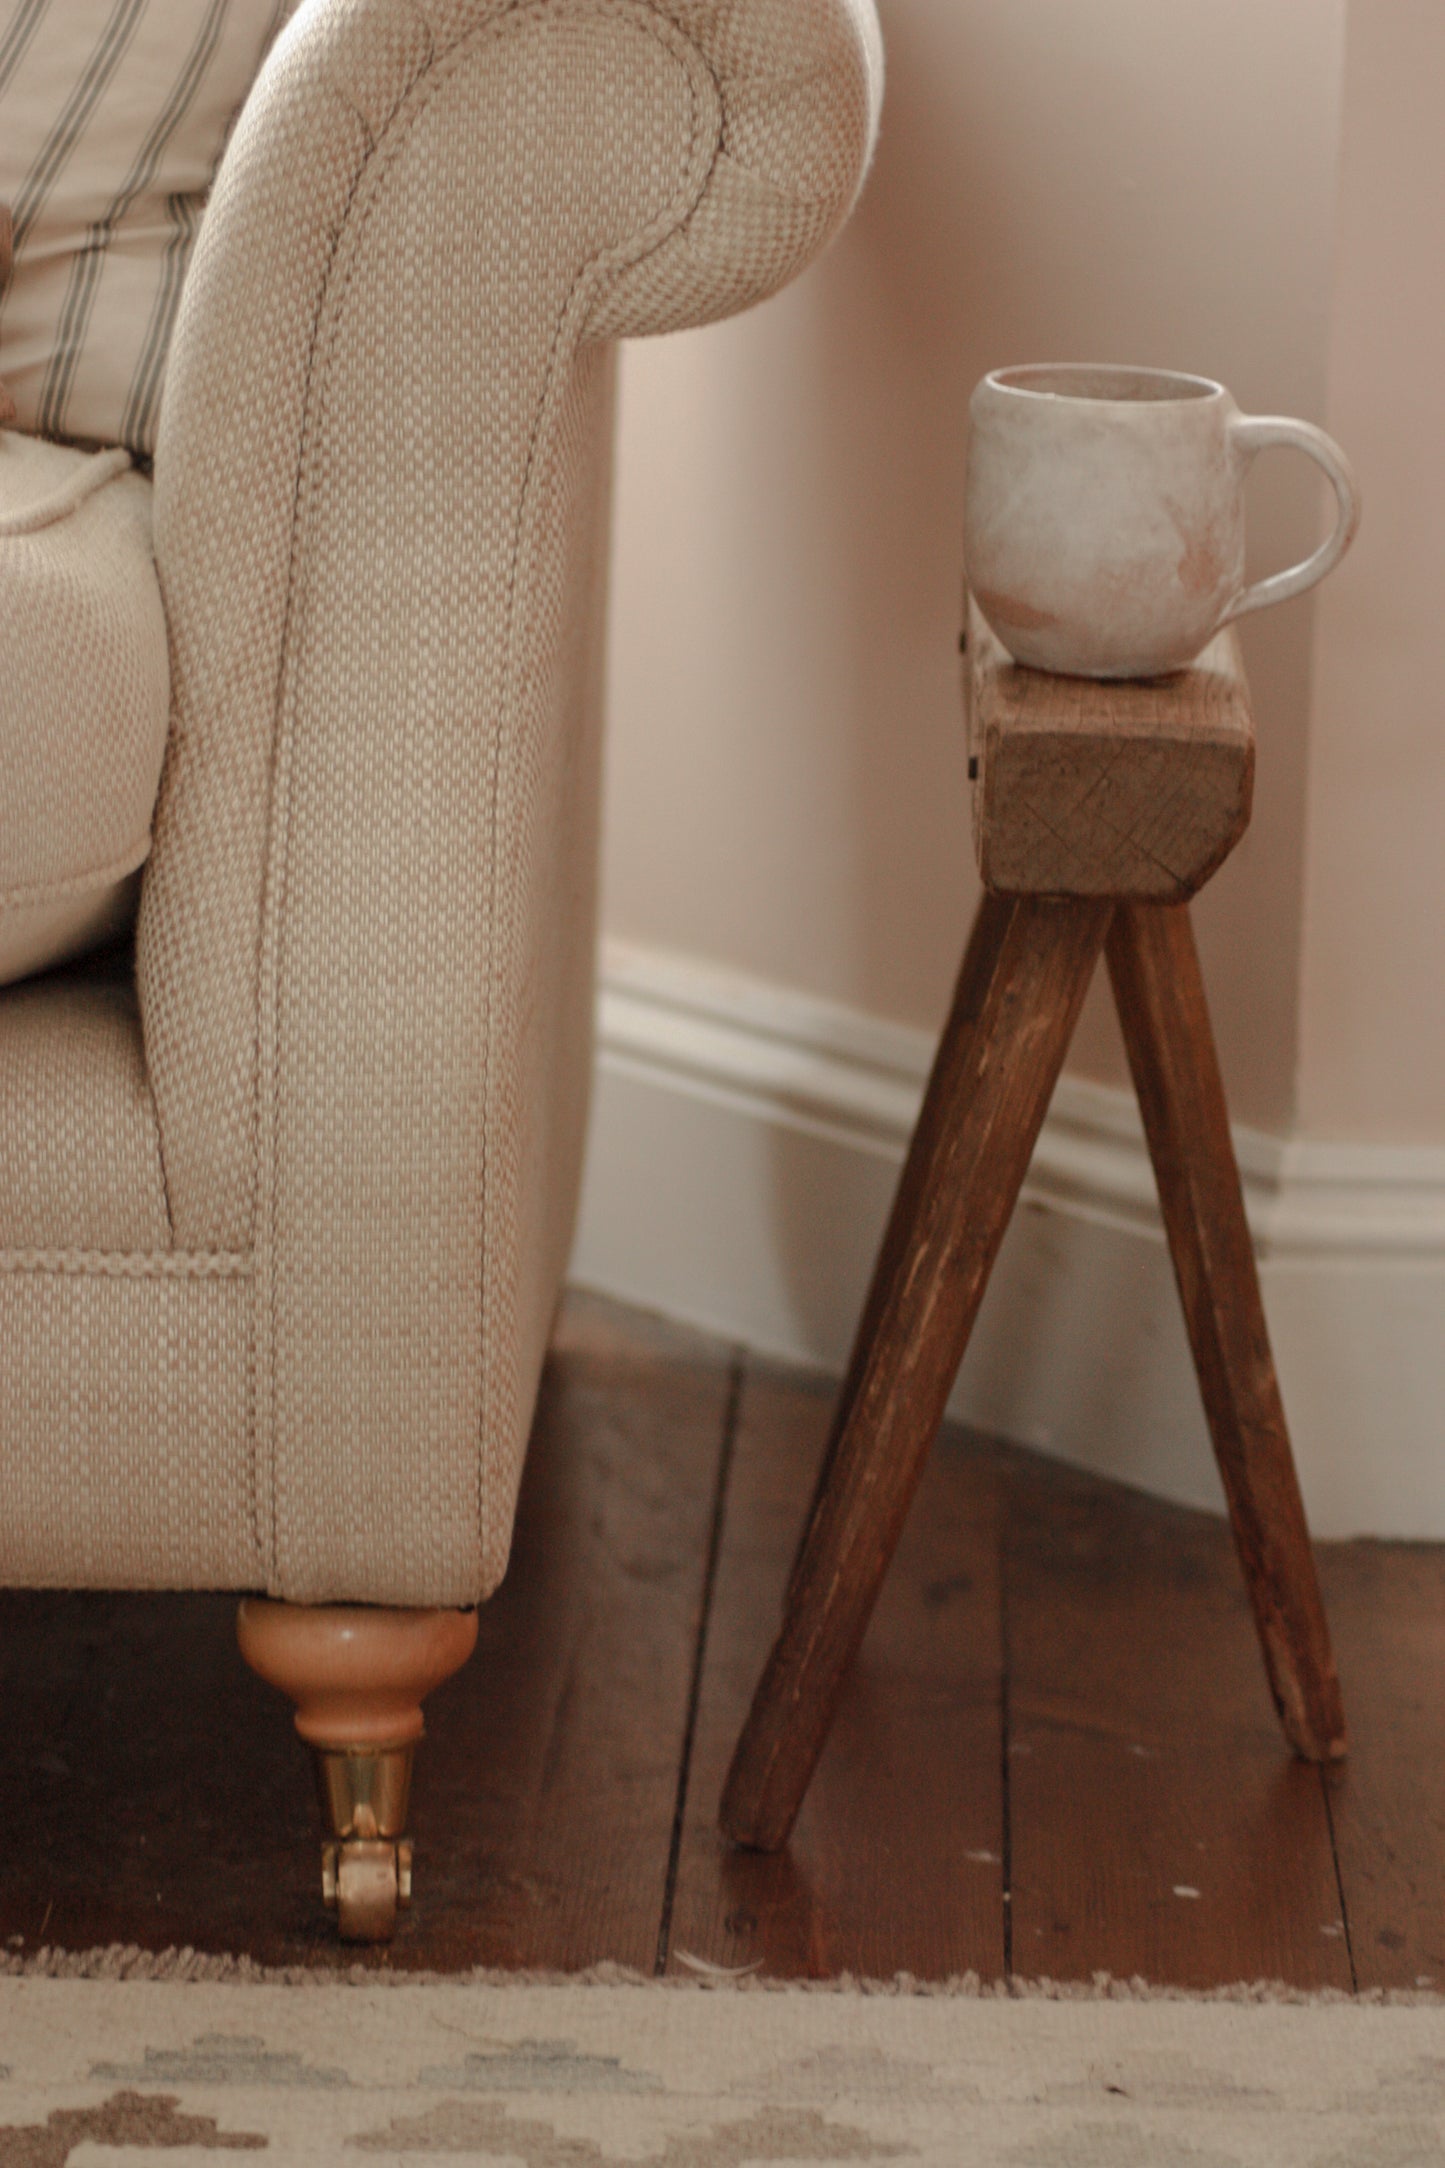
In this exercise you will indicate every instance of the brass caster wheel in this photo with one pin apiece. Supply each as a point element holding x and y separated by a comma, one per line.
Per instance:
<point>365,1859</point>
<point>364,1882</point>
<point>358,1676</point>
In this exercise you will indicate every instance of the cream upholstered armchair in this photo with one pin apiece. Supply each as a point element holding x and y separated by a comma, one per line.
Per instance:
<point>286,1196</point>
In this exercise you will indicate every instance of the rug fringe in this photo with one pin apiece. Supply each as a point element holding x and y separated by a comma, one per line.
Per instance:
<point>127,1961</point>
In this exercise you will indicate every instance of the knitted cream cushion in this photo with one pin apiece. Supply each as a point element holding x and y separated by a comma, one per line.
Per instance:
<point>113,117</point>
<point>84,697</point>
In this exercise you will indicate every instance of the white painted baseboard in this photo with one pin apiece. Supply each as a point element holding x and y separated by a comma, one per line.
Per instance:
<point>745,1144</point>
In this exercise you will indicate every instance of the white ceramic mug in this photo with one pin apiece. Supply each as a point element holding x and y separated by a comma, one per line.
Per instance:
<point>1104,514</point>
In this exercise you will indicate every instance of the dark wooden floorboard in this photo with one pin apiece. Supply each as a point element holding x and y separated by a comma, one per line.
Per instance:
<point>895,1862</point>
<point>152,1791</point>
<point>1387,1607</point>
<point>553,1793</point>
<point>1159,1823</point>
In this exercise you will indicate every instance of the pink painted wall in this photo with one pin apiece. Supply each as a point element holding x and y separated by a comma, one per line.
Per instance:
<point>1373,1012</point>
<point>1121,180</point>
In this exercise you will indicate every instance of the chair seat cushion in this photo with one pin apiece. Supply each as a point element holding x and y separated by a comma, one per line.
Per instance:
<point>84,697</point>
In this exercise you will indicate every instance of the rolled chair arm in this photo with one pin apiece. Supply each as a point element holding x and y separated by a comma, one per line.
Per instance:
<point>380,519</point>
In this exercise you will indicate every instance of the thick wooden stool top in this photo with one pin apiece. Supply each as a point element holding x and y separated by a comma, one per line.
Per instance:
<point>1089,787</point>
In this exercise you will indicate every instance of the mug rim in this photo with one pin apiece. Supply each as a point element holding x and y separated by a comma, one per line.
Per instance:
<point>1191,389</point>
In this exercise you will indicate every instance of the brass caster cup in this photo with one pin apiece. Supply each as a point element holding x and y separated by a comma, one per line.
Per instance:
<point>365,1860</point>
<point>363,1791</point>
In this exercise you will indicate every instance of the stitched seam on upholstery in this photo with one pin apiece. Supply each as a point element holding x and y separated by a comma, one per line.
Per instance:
<point>580,296</point>
<point>263,1072</point>
<point>273,880</point>
<point>36,893</point>
<point>271,936</point>
<point>132,1264</point>
<point>386,149</point>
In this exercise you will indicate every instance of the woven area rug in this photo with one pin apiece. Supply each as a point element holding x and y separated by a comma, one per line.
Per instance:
<point>582,2076</point>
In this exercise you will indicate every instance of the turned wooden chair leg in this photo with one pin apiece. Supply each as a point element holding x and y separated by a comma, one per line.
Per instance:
<point>1023,981</point>
<point>1159,991</point>
<point>358,1676</point>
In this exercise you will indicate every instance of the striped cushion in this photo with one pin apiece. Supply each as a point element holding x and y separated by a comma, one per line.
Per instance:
<point>113,116</point>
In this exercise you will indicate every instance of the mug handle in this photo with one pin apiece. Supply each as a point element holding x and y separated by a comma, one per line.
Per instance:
<point>1252,433</point>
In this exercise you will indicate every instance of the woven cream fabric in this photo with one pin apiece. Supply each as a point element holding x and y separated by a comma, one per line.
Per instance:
<point>140,1474</point>
<point>84,697</point>
<point>80,1153</point>
<point>366,930</point>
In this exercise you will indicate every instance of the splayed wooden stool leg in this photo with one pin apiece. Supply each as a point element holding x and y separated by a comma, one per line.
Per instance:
<point>1023,981</point>
<point>358,1676</point>
<point>1154,968</point>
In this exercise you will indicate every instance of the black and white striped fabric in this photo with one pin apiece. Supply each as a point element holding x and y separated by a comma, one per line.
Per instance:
<point>113,117</point>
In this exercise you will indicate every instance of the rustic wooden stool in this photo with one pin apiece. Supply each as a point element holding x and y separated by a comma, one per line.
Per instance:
<point>1099,809</point>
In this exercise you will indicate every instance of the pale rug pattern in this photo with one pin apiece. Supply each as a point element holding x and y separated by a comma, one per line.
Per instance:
<point>584,2077</point>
